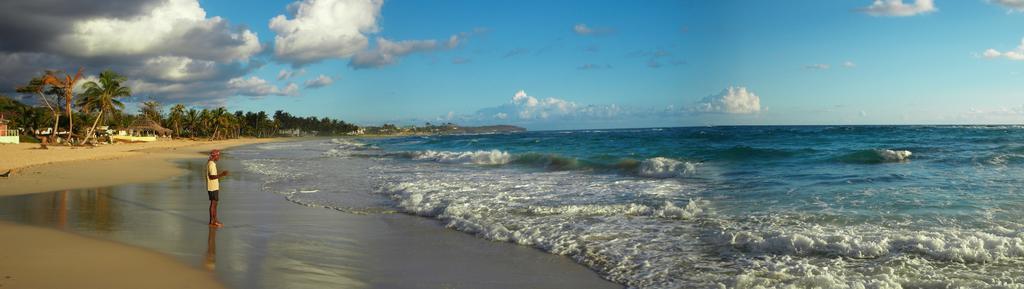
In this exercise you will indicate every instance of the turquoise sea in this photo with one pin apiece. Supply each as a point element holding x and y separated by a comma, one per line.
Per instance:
<point>702,207</point>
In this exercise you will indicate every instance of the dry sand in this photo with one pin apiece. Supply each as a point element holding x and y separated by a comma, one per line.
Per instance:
<point>60,167</point>
<point>47,258</point>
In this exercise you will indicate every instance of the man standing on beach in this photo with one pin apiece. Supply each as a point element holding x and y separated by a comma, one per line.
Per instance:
<point>213,186</point>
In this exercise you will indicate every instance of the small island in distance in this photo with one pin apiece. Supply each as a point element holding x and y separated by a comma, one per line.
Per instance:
<point>437,129</point>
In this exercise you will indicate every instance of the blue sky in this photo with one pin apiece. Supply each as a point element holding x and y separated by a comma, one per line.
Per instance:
<point>527,46</point>
<point>579,64</point>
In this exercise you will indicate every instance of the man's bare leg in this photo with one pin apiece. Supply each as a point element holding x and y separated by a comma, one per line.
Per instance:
<point>213,215</point>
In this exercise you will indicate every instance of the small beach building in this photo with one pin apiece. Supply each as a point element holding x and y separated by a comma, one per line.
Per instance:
<point>7,135</point>
<point>142,130</point>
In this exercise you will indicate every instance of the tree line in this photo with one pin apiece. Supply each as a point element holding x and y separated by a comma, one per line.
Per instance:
<point>62,104</point>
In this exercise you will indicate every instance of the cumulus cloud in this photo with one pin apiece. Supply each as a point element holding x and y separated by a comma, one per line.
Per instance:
<point>164,46</point>
<point>321,29</point>
<point>1016,54</point>
<point>255,86</point>
<point>319,81</point>
<point>1012,5</point>
<point>896,8</point>
<point>523,107</point>
<point>849,64</point>
<point>583,29</point>
<point>178,27</point>
<point>732,100</point>
<point>817,66</point>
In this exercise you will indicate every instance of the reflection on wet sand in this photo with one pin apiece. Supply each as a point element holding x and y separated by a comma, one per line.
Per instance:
<point>210,262</point>
<point>61,207</point>
<point>271,243</point>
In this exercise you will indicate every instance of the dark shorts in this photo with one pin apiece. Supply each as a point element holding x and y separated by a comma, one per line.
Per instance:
<point>214,195</point>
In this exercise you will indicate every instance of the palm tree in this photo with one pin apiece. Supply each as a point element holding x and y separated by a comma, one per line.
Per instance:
<point>219,120</point>
<point>192,121</point>
<point>102,96</point>
<point>151,109</point>
<point>36,85</point>
<point>65,85</point>
<point>176,117</point>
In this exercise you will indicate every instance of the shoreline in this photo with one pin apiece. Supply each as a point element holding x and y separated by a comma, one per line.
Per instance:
<point>391,250</point>
<point>82,261</point>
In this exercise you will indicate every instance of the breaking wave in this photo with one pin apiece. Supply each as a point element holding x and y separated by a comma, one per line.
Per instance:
<point>657,167</point>
<point>875,156</point>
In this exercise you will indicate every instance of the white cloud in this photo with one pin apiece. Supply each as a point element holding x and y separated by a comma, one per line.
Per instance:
<point>388,52</point>
<point>319,81</point>
<point>176,27</point>
<point>817,66</point>
<point>849,64</point>
<point>524,107</point>
<point>177,68</point>
<point>171,50</point>
<point>1016,54</point>
<point>732,100</point>
<point>583,29</point>
<point>255,86</point>
<point>321,29</point>
<point>1013,5</point>
<point>897,8</point>
<point>291,89</point>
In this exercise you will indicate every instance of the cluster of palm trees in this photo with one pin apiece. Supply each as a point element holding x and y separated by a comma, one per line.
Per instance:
<point>99,97</point>
<point>206,123</point>
<point>97,103</point>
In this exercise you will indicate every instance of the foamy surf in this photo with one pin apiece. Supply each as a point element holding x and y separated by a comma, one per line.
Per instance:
<point>774,207</point>
<point>492,157</point>
<point>660,167</point>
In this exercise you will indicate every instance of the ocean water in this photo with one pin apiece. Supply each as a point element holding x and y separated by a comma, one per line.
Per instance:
<point>701,207</point>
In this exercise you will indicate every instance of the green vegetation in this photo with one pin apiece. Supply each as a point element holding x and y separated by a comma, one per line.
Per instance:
<point>99,105</point>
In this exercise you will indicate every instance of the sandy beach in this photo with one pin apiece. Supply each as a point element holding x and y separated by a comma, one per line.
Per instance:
<point>44,258</point>
<point>145,210</point>
<point>60,167</point>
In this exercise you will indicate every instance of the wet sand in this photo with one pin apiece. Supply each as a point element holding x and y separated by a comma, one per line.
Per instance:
<point>269,242</point>
<point>44,258</point>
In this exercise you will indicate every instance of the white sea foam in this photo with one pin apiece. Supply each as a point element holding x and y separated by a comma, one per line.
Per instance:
<point>894,155</point>
<point>660,167</point>
<point>602,221</point>
<point>492,157</point>
<point>666,210</point>
<point>348,144</point>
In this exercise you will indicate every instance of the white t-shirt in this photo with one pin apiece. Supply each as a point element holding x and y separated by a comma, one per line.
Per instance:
<point>211,184</point>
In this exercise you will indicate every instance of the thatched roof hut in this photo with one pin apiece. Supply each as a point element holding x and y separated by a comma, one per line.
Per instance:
<point>144,125</point>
